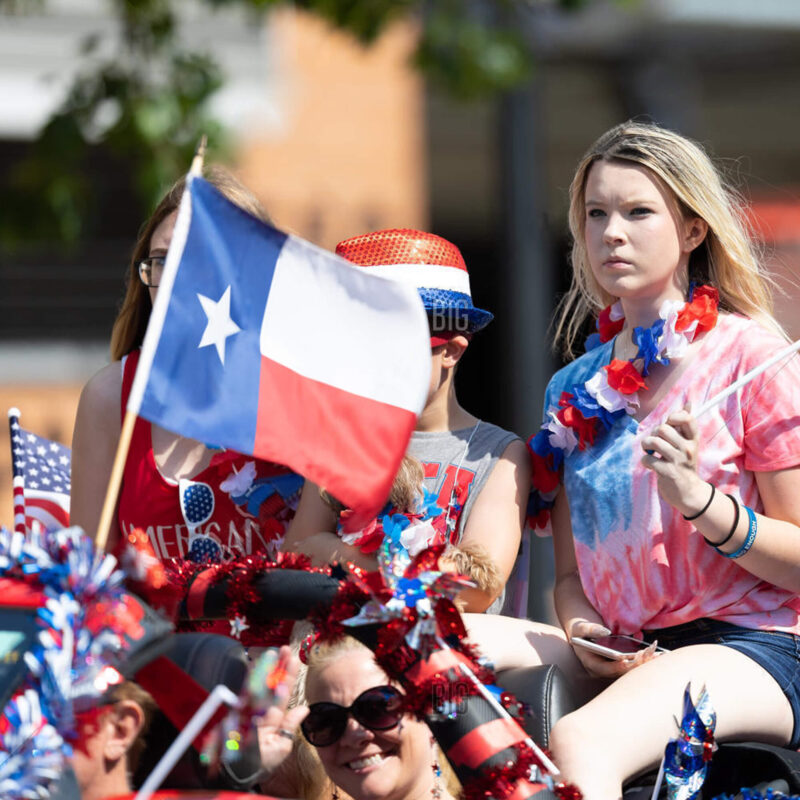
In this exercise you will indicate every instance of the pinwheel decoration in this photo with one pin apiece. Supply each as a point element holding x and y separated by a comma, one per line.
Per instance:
<point>687,757</point>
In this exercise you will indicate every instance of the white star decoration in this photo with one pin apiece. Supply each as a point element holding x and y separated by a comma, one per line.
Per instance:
<point>220,325</point>
<point>238,626</point>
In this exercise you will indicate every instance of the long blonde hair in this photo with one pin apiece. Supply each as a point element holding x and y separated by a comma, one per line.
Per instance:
<point>134,313</point>
<point>727,259</point>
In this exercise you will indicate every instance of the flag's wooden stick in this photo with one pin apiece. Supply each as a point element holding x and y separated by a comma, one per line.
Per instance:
<point>115,479</point>
<point>199,155</point>
<point>746,378</point>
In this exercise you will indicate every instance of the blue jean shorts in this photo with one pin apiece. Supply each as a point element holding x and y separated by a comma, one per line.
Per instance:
<point>777,652</point>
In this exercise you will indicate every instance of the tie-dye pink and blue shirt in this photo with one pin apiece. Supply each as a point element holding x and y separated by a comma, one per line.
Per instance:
<point>641,564</point>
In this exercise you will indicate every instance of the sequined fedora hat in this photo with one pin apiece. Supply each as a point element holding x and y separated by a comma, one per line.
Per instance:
<point>429,262</point>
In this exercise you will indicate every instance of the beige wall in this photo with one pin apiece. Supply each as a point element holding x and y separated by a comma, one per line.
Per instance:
<point>349,157</point>
<point>48,410</point>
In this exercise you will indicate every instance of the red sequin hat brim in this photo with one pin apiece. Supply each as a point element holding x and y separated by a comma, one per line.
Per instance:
<point>430,263</point>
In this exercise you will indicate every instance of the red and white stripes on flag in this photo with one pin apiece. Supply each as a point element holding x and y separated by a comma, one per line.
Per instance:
<point>268,345</point>
<point>19,504</point>
<point>41,470</point>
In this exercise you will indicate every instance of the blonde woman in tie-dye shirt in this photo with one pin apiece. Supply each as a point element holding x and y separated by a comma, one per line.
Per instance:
<point>647,542</point>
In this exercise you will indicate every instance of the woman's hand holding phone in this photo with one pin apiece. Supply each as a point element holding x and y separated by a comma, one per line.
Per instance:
<point>604,666</point>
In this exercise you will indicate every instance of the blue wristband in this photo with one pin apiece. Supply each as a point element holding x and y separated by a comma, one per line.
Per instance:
<point>752,530</point>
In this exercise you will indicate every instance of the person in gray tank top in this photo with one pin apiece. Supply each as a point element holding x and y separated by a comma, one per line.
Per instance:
<point>474,476</point>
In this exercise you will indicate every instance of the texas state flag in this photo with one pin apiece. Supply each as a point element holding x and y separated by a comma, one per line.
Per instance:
<point>265,344</point>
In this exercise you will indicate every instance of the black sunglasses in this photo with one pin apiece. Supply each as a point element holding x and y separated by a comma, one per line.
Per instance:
<point>378,709</point>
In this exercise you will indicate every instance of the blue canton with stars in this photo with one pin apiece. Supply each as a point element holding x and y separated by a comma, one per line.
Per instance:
<point>45,465</point>
<point>210,393</point>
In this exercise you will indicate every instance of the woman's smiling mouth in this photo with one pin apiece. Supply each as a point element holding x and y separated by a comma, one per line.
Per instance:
<point>360,764</point>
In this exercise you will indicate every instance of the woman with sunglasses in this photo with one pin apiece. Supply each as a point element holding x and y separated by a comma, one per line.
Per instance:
<point>192,499</point>
<point>357,737</point>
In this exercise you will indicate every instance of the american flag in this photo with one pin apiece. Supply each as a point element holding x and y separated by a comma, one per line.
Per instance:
<point>41,470</point>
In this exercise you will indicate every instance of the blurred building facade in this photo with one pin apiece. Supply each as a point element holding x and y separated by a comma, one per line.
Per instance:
<point>328,134</point>
<point>725,72</point>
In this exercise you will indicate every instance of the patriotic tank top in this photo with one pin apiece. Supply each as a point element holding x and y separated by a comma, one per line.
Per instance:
<point>245,509</point>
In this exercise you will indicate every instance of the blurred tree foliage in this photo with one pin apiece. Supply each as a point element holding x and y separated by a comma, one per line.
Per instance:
<point>147,107</point>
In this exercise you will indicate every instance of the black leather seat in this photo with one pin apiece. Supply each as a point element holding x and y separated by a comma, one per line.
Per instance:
<point>211,659</point>
<point>738,764</point>
<point>546,691</point>
<point>735,764</point>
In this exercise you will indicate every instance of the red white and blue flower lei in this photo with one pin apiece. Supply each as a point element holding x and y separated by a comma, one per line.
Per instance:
<point>413,531</point>
<point>590,409</point>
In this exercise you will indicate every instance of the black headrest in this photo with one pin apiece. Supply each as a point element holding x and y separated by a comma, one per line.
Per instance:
<point>548,693</point>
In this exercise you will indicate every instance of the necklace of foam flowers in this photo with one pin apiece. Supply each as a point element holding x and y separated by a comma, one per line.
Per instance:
<point>589,410</point>
<point>427,525</point>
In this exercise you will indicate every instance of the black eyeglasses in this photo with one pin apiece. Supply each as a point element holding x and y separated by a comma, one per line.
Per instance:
<point>150,270</point>
<point>378,709</point>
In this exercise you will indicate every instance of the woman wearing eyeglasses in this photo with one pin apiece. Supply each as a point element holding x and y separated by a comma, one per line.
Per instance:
<point>359,735</point>
<point>192,499</point>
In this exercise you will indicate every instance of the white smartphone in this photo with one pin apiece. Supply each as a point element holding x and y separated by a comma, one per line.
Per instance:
<point>616,647</point>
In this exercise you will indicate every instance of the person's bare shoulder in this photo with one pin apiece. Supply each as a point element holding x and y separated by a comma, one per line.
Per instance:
<point>100,398</point>
<point>517,453</point>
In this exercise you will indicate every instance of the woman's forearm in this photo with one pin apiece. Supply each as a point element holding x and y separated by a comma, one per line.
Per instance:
<point>571,603</point>
<point>325,548</point>
<point>766,545</point>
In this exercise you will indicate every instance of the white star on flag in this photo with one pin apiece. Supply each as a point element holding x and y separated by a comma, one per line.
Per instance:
<point>278,401</point>
<point>220,325</point>
<point>41,480</point>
